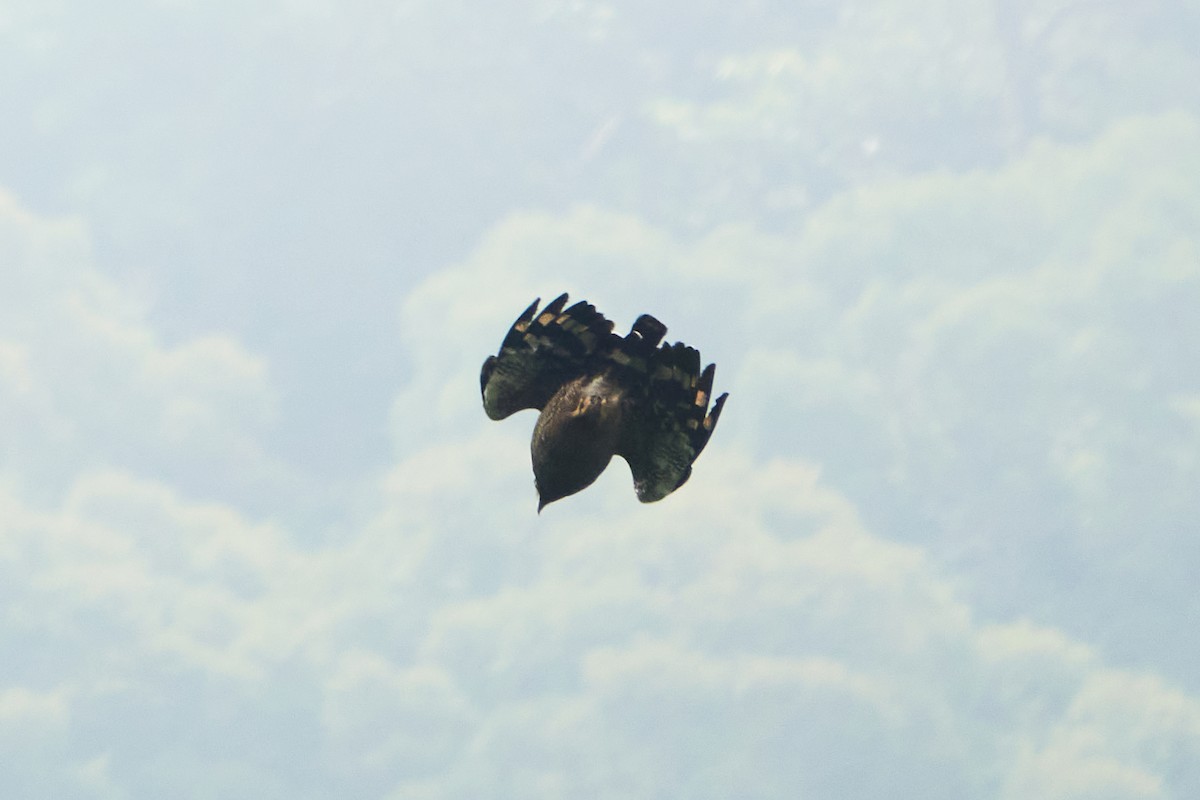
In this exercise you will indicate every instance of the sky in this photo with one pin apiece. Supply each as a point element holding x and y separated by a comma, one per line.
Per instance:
<point>259,540</point>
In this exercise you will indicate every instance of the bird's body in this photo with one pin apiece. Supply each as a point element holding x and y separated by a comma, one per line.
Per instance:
<point>576,435</point>
<point>601,395</point>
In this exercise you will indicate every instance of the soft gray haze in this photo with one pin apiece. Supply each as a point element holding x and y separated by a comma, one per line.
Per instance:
<point>258,539</point>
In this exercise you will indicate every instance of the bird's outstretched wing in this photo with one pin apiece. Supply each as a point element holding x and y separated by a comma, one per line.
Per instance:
<point>669,420</point>
<point>542,351</point>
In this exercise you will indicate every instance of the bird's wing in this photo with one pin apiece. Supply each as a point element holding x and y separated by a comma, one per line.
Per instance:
<point>668,421</point>
<point>542,351</point>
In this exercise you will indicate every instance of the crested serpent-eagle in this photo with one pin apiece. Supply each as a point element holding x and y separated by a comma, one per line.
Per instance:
<point>602,395</point>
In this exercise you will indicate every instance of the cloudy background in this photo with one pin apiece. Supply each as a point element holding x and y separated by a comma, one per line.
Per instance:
<point>258,539</point>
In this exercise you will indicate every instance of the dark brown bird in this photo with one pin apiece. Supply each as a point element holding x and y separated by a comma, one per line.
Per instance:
<point>602,395</point>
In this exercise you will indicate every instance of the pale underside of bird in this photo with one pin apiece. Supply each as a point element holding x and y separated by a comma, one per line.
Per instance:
<point>602,395</point>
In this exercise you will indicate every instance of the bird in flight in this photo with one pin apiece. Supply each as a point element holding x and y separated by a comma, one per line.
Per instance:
<point>602,395</point>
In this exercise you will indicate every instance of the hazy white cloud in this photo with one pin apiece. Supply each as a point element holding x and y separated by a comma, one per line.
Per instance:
<point>749,624</point>
<point>940,547</point>
<point>27,714</point>
<point>695,649</point>
<point>382,719</point>
<point>1122,735</point>
<point>751,636</point>
<point>86,379</point>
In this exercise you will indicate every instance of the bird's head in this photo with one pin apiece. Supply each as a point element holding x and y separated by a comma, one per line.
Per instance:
<point>563,471</point>
<point>551,486</point>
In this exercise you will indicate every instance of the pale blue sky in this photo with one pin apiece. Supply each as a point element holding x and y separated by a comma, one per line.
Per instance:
<point>258,538</point>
